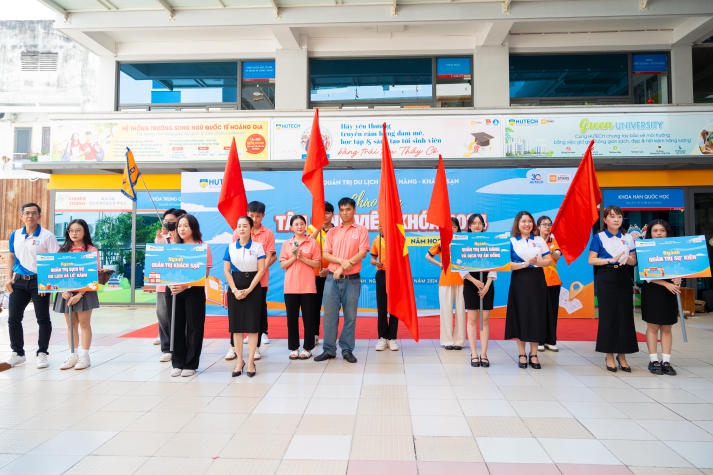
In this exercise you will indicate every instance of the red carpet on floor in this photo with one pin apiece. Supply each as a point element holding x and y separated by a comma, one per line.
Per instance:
<point>568,329</point>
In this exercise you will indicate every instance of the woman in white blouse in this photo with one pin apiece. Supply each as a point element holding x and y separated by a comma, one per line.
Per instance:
<point>526,317</point>
<point>244,265</point>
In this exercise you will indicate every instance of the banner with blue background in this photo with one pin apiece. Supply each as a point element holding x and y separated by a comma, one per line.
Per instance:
<point>168,264</point>
<point>498,194</point>
<point>65,271</point>
<point>671,257</point>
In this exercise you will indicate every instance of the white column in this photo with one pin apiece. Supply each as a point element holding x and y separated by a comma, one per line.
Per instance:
<point>106,86</point>
<point>681,74</point>
<point>291,81</point>
<point>491,81</point>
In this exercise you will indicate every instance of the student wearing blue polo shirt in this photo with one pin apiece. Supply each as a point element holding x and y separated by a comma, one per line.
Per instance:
<point>25,243</point>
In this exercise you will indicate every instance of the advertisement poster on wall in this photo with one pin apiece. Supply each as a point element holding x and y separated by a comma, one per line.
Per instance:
<point>498,194</point>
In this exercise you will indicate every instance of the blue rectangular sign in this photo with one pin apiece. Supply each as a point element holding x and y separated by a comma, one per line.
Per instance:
<point>644,198</point>
<point>66,271</point>
<point>667,258</point>
<point>474,252</point>
<point>168,264</point>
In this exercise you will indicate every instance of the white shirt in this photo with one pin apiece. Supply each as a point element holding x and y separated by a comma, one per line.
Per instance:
<point>525,249</point>
<point>25,248</point>
<point>244,259</point>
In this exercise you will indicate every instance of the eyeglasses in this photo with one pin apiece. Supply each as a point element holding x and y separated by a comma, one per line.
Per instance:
<point>547,225</point>
<point>75,231</point>
<point>30,213</point>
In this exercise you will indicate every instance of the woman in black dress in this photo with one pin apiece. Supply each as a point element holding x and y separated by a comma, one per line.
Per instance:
<point>659,308</point>
<point>612,255</point>
<point>526,317</point>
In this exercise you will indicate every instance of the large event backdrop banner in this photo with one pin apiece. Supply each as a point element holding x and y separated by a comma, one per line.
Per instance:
<point>498,194</point>
<point>621,133</point>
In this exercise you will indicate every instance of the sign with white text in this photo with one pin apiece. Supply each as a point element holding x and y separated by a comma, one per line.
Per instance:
<point>668,258</point>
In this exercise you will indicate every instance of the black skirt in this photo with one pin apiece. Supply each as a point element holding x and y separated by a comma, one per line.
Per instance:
<point>658,305</point>
<point>526,317</point>
<point>616,332</point>
<point>244,315</point>
<point>470,293</point>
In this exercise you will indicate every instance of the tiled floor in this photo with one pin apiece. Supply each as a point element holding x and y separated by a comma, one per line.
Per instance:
<point>420,410</point>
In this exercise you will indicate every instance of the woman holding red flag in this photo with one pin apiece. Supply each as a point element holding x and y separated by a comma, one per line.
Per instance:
<point>450,293</point>
<point>544,225</point>
<point>612,255</point>
<point>299,256</point>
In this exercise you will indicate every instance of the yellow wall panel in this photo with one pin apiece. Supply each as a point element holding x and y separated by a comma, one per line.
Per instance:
<point>113,182</point>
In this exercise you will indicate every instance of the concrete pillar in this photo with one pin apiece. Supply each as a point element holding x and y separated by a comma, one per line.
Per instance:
<point>291,80</point>
<point>491,81</point>
<point>106,86</point>
<point>681,74</point>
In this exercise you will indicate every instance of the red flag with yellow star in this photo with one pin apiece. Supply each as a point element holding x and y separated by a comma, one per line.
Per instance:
<point>399,283</point>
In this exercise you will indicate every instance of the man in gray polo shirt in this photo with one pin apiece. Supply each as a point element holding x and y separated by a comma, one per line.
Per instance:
<point>25,244</point>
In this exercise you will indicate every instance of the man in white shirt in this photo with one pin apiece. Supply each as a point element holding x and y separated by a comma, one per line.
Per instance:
<point>24,245</point>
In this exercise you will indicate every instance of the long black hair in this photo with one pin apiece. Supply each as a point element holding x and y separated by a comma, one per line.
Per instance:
<point>67,244</point>
<point>195,228</point>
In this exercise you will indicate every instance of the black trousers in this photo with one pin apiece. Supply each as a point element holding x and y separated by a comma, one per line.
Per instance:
<point>24,291</point>
<point>387,324</point>
<point>189,326</point>
<point>553,306</point>
<point>293,303</point>
<point>319,281</point>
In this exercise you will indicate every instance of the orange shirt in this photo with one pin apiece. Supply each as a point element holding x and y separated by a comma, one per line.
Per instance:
<point>377,250</point>
<point>344,242</point>
<point>299,278</point>
<point>265,237</point>
<point>552,277</point>
<point>446,278</point>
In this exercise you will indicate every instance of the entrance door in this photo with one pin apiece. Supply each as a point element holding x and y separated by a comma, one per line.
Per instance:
<point>703,224</point>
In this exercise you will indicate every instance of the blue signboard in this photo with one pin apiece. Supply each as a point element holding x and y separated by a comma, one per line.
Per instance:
<point>65,271</point>
<point>667,258</point>
<point>649,63</point>
<point>258,71</point>
<point>644,198</point>
<point>168,264</point>
<point>474,252</point>
<point>453,67</point>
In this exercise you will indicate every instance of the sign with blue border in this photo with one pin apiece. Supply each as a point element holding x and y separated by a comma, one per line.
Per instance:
<point>475,252</point>
<point>168,264</point>
<point>668,258</point>
<point>67,271</point>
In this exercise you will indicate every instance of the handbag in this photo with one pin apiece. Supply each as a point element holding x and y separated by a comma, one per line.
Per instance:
<point>104,275</point>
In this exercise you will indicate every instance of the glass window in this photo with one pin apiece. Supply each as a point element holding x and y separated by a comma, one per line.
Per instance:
<point>258,85</point>
<point>569,76</point>
<point>23,142</point>
<point>174,85</point>
<point>389,81</point>
<point>703,74</point>
<point>650,74</point>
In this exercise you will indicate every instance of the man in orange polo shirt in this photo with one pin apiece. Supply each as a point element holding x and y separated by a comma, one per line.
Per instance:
<point>344,249</point>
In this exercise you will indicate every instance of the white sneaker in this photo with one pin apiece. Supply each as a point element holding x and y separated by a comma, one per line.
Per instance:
<point>187,373</point>
<point>69,363</point>
<point>83,362</point>
<point>381,344</point>
<point>15,359</point>
<point>157,341</point>
<point>175,372</point>
<point>265,340</point>
<point>540,347</point>
<point>166,357</point>
<point>42,361</point>
<point>551,347</point>
<point>257,354</point>
<point>230,355</point>
<point>393,345</point>
<point>245,341</point>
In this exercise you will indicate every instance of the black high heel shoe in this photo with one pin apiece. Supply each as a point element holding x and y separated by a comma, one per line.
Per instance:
<point>252,373</point>
<point>520,364</point>
<point>235,374</point>
<point>626,369</point>
<point>609,368</point>
<point>534,365</point>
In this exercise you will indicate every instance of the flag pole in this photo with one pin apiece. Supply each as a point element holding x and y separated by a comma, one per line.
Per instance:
<point>153,203</point>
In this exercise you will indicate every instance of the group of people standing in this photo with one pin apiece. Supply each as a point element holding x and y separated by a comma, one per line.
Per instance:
<point>322,267</point>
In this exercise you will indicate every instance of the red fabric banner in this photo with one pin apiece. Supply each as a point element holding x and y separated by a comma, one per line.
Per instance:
<point>233,203</point>
<point>312,174</point>
<point>439,213</point>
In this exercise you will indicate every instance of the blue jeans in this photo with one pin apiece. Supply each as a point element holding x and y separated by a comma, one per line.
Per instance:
<point>338,294</point>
